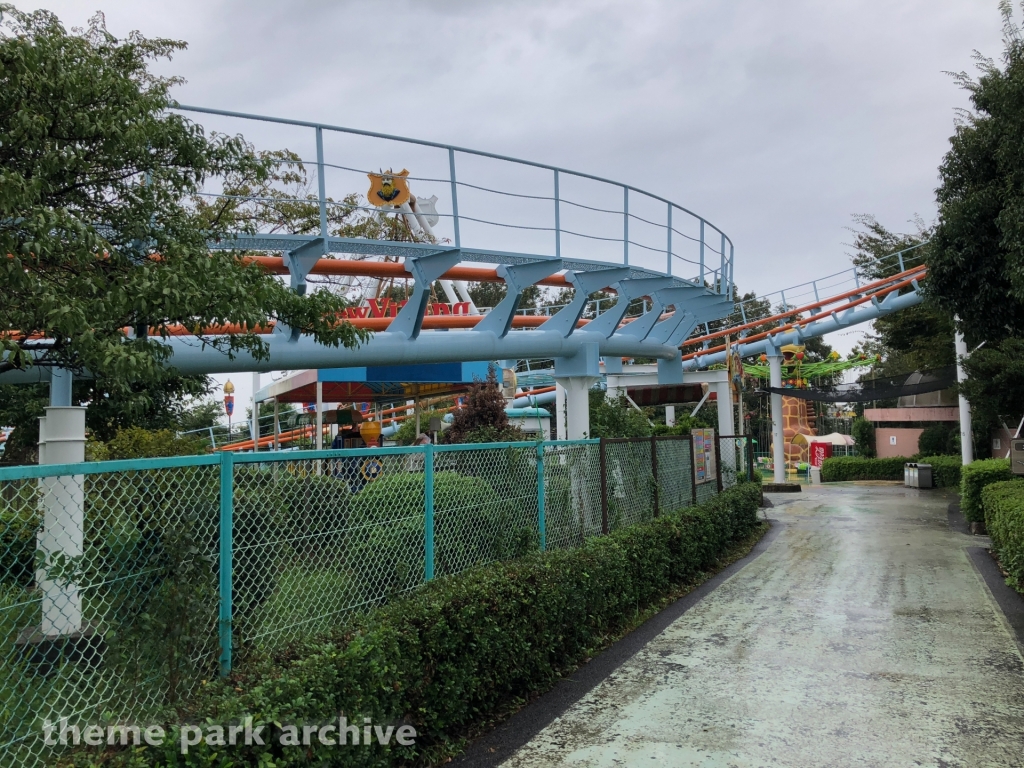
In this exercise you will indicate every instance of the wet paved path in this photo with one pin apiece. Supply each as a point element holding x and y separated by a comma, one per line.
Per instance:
<point>863,636</point>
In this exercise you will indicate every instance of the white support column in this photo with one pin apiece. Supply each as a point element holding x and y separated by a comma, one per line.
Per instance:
<point>277,425</point>
<point>61,540</point>
<point>572,399</point>
<point>254,427</point>
<point>726,427</point>
<point>966,435</point>
<point>723,399</point>
<point>778,446</point>
<point>319,415</point>
<point>670,415</point>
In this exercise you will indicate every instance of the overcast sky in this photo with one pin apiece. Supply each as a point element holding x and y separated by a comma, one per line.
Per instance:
<point>775,120</point>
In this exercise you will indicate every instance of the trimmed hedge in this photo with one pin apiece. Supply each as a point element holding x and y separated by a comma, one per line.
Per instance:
<point>1003,503</point>
<point>859,468</point>
<point>973,478</point>
<point>945,470</point>
<point>463,649</point>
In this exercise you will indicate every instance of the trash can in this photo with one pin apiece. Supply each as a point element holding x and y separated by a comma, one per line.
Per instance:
<point>917,475</point>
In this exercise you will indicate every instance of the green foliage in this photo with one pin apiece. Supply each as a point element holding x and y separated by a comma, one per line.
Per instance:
<point>472,524</point>
<point>857,468</point>
<point>973,478</point>
<point>406,434</point>
<point>138,443</point>
<point>616,418</point>
<point>939,440</point>
<point>863,433</point>
<point>463,650</point>
<point>995,385</point>
<point>976,270</point>
<point>20,521</point>
<point>93,191</point>
<point>915,338</point>
<point>483,419</point>
<point>945,470</point>
<point>1003,505</point>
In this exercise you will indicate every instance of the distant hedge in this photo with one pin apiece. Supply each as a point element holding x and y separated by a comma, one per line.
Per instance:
<point>460,650</point>
<point>1003,504</point>
<point>973,478</point>
<point>859,468</point>
<point>945,470</point>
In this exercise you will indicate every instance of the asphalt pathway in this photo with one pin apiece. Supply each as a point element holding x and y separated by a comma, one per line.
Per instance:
<point>863,635</point>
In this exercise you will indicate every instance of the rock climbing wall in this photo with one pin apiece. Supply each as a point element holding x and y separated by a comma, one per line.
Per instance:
<point>797,419</point>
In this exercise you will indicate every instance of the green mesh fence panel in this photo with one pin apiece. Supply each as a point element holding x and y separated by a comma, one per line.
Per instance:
<point>109,580</point>
<point>675,474</point>
<point>572,493</point>
<point>629,482</point>
<point>108,599</point>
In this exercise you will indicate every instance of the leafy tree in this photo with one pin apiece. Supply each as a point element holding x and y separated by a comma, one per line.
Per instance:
<point>96,175</point>
<point>939,440</point>
<point>914,339</point>
<point>863,433</point>
<point>483,419</point>
<point>976,263</point>
<point>995,386</point>
<point>616,417</point>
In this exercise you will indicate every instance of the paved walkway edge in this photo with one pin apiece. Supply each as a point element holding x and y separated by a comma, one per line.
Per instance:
<point>1009,600</point>
<point>500,743</point>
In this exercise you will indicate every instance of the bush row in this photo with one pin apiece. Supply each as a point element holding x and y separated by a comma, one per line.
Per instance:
<point>945,469</point>
<point>1003,503</point>
<point>463,649</point>
<point>973,478</point>
<point>859,468</point>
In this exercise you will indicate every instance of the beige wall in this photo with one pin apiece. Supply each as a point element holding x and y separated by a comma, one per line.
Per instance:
<point>906,441</point>
<point>917,413</point>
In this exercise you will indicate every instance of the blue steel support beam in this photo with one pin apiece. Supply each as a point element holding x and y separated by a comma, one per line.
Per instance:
<point>517,279</point>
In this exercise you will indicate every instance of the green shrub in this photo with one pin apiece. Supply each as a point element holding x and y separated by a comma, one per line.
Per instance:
<point>472,524</point>
<point>939,440</point>
<point>139,443</point>
<point>461,650</point>
<point>1003,504</point>
<point>18,529</point>
<point>945,470</point>
<point>858,468</point>
<point>863,433</point>
<point>973,478</point>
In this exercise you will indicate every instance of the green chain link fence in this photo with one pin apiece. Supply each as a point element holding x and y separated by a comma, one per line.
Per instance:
<point>124,585</point>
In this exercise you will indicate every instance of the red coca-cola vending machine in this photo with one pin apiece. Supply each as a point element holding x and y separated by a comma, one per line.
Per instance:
<point>820,452</point>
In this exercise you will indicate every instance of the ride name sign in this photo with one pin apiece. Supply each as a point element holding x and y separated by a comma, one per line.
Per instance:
<point>703,455</point>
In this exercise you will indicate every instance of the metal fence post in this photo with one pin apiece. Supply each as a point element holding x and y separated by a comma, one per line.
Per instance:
<point>428,511</point>
<point>226,554</point>
<point>750,459</point>
<point>718,461</point>
<point>541,521</point>
<point>693,471</point>
<point>654,472</point>
<point>604,487</point>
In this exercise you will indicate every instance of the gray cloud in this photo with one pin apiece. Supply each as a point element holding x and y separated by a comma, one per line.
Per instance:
<point>775,120</point>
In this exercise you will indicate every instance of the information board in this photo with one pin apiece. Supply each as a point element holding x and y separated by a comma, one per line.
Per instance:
<point>703,455</point>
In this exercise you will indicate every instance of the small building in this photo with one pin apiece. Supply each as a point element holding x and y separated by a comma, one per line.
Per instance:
<point>897,430</point>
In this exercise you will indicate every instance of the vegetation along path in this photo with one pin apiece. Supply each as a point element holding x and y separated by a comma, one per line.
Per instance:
<point>863,636</point>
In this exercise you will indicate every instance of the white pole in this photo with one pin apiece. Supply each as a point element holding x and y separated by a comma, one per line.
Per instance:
<point>573,404</point>
<point>61,540</point>
<point>319,415</point>
<point>670,415</point>
<point>966,435</point>
<point>277,425</point>
<point>254,428</point>
<point>778,447</point>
